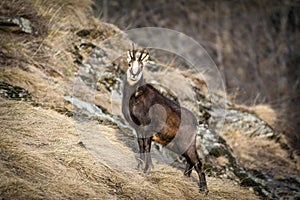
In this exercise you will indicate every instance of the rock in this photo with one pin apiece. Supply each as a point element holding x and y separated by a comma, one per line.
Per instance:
<point>236,119</point>
<point>20,24</point>
<point>14,92</point>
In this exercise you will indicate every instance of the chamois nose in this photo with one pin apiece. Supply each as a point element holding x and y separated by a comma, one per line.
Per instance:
<point>133,75</point>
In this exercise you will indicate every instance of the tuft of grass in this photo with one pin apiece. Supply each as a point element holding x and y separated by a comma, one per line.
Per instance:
<point>265,112</point>
<point>64,14</point>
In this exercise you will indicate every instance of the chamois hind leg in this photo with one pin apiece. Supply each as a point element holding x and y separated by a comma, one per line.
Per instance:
<point>189,166</point>
<point>202,179</point>
<point>192,156</point>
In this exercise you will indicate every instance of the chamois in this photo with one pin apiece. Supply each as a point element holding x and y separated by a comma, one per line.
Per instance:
<point>159,119</point>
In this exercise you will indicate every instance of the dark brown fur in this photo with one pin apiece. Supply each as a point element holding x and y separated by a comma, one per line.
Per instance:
<point>140,103</point>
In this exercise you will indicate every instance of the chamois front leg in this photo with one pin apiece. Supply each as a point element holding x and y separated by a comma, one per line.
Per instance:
<point>141,160</point>
<point>148,158</point>
<point>145,161</point>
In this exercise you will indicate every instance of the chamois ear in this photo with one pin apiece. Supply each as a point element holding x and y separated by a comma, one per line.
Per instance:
<point>129,56</point>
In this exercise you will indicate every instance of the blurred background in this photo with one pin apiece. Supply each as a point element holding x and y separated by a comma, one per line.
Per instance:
<point>255,44</point>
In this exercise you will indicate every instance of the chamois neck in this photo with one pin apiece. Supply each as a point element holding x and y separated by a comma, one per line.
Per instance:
<point>129,89</point>
<point>133,87</point>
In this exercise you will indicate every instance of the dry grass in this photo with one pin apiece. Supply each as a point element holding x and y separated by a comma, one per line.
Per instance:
<point>45,65</point>
<point>62,14</point>
<point>271,156</point>
<point>37,154</point>
<point>263,111</point>
<point>266,113</point>
<point>41,159</point>
<point>45,90</point>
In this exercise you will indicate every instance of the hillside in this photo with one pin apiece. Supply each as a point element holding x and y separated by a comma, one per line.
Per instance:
<point>61,135</point>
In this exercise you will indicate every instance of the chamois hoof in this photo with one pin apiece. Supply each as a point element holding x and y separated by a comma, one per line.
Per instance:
<point>140,165</point>
<point>204,191</point>
<point>138,168</point>
<point>148,169</point>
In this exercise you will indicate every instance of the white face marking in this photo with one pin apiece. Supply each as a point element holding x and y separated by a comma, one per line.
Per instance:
<point>135,67</point>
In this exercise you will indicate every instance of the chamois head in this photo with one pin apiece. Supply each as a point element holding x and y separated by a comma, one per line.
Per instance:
<point>136,60</point>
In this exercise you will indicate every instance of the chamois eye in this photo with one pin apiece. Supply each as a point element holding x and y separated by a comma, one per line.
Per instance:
<point>129,65</point>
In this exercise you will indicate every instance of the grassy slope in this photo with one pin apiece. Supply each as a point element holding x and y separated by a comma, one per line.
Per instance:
<point>41,158</point>
<point>40,153</point>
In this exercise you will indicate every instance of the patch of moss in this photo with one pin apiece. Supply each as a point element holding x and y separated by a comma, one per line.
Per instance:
<point>218,151</point>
